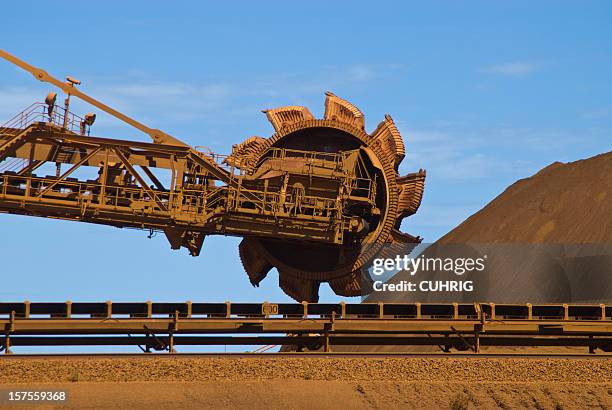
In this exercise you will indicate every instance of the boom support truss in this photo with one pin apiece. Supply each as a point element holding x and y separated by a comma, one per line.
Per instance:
<point>127,193</point>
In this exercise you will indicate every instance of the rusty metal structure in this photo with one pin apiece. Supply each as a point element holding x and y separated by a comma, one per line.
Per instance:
<point>317,200</point>
<point>319,326</point>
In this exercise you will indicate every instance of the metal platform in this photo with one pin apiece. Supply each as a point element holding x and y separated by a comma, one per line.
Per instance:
<point>162,326</point>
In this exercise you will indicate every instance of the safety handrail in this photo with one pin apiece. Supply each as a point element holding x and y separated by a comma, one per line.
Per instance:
<point>37,112</point>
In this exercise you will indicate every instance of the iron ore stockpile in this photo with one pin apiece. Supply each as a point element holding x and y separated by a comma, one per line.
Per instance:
<point>562,203</point>
<point>550,235</point>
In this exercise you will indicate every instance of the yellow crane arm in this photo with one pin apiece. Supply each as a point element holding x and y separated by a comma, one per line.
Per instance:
<point>157,136</point>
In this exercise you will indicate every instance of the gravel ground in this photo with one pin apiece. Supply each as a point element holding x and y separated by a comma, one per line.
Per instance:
<point>46,370</point>
<point>316,394</point>
<point>316,383</point>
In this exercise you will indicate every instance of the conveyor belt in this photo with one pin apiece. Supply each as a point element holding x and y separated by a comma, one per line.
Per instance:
<point>162,326</point>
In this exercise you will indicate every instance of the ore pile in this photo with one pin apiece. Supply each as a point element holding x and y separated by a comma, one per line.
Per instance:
<point>547,239</point>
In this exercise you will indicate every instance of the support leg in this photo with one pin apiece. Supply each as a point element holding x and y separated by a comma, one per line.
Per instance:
<point>592,346</point>
<point>171,343</point>
<point>7,343</point>
<point>326,346</point>
<point>10,327</point>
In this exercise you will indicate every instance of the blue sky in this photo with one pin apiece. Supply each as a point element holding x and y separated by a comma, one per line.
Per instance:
<point>484,93</point>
